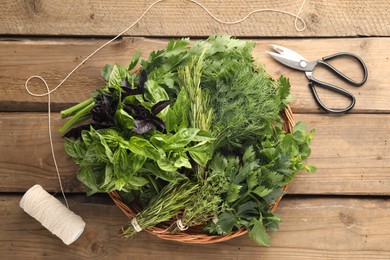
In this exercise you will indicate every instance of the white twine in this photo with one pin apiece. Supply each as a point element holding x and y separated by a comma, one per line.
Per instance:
<point>135,225</point>
<point>52,214</point>
<point>180,225</point>
<point>53,222</point>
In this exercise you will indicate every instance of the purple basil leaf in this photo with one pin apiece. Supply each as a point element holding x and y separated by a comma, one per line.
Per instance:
<point>129,90</point>
<point>158,123</point>
<point>125,83</point>
<point>132,92</point>
<point>143,77</point>
<point>142,126</point>
<point>103,111</point>
<point>75,132</point>
<point>157,108</point>
<point>137,111</point>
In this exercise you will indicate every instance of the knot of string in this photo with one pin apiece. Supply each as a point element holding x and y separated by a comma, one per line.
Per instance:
<point>50,91</point>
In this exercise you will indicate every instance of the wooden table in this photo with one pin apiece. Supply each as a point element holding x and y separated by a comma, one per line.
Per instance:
<point>342,211</point>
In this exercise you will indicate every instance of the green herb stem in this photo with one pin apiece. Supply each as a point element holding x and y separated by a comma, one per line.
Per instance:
<point>77,118</point>
<point>76,108</point>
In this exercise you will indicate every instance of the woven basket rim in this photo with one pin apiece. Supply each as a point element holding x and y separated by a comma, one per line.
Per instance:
<point>194,235</point>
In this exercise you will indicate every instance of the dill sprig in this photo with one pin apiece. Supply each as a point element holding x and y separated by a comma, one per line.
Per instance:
<point>244,102</point>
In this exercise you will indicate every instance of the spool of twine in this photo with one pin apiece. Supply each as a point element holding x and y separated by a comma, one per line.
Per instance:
<point>52,214</point>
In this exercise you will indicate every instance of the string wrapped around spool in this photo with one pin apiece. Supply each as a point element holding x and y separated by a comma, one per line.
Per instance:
<point>52,214</point>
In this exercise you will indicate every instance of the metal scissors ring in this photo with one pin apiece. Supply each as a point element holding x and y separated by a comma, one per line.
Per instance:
<point>294,60</point>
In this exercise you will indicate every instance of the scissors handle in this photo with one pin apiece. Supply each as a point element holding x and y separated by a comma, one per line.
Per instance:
<point>312,85</point>
<point>324,62</point>
<point>313,82</point>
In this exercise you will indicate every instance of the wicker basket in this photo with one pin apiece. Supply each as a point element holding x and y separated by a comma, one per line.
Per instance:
<point>196,235</point>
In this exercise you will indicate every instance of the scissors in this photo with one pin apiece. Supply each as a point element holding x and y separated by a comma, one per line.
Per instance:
<point>294,60</point>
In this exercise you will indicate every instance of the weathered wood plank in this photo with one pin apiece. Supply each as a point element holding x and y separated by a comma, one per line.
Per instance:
<point>312,228</point>
<point>183,18</point>
<point>351,153</point>
<point>54,59</point>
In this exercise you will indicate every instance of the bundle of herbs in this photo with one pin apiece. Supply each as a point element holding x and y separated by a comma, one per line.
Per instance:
<point>193,135</point>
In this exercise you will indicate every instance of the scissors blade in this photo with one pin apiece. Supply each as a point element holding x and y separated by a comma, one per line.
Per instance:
<point>288,57</point>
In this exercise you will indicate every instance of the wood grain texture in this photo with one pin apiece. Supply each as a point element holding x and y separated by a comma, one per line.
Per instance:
<point>183,18</point>
<point>312,228</point>
<point>54,59</point>
<point>352,154</point>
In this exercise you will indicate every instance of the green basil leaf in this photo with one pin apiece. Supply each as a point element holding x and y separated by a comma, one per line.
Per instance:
<point>121,163</point>
<point>182,161</point>
<point>86,137</point>
<point>95,155</point>
<point>154,92</point>
<point>136,161</point>
<point>143,147</point>
<point>170,176</point>
<point>183,137</point>
<point>124,119</point>
<point>137,182</point>
<point>107,150</point>
<point>74,149</point>
<point>108,176</point>
<point>167,165</point>
<point>170,120</point>
<point>201,154</point>
<point>117,75</point>
<point>119,184</point>
<point>87,177</point>
<point>204,136</point>
<point>160,140</point>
